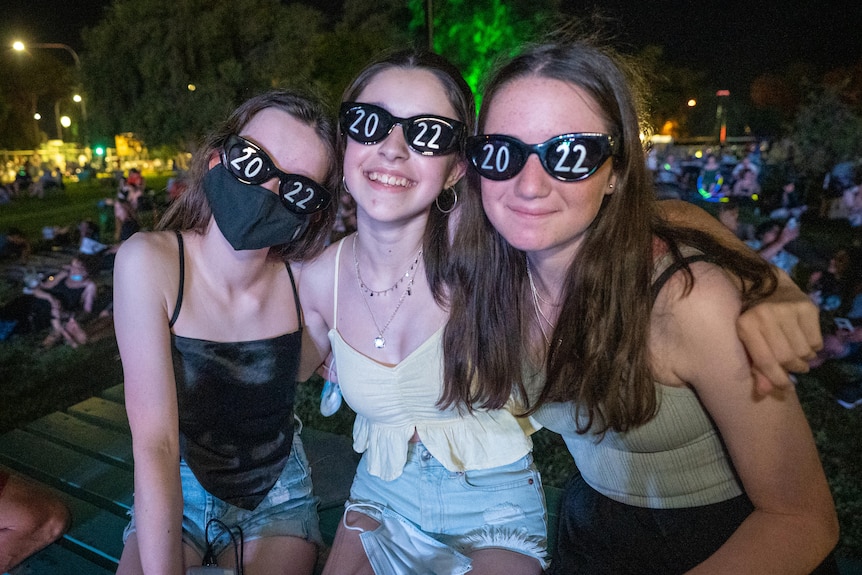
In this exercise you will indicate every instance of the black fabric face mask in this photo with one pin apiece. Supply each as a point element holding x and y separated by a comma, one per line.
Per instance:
<point>250,217</point>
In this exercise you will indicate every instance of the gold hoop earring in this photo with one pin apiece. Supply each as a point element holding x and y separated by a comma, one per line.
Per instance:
<point>454,201</point>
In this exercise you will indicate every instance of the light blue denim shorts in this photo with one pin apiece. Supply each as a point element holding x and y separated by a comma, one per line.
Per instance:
<point>502,507</point>
<point>289,509</point>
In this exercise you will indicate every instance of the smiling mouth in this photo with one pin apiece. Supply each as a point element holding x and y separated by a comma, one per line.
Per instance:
<point>388,180</point>
<point>528,213</point>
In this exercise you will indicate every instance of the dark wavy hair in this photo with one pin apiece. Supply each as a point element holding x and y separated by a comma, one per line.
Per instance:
<point>191,210</point>
<point>436,241</point>
<point>600,359</point>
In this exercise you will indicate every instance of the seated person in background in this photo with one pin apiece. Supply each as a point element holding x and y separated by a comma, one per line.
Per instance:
<point>51,179</point>
<point>14,246</point>
<point>788,204</point>
<point>746,186</point>
<point>710,180</point>
<point>67,292</point>
<point>843,342</point>
<point>728,214</point>
<point>669,171</point>
<point>90,244</point>
<point>126,220</point>
<point>23,181</point>
<point>769,241</point>
<point>852,198</point>
<point>745,164</point>
<point>31,518</point>
<point>828,288</point>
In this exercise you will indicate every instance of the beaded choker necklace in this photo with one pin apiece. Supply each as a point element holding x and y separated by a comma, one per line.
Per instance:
<point>380,341</point>
<point>373,292</point>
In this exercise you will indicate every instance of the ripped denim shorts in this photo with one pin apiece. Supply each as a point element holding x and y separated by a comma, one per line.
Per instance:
<point>289,509</point>
<point>502,507</point>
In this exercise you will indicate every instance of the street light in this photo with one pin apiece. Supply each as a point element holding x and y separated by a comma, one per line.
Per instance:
<point>19,46</point>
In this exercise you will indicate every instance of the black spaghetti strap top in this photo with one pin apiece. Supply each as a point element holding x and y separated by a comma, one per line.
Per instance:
<point>235,403</point>
<point>673,268</point>
<point>70,298</point>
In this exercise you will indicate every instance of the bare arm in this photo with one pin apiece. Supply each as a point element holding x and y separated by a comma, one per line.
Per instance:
<point>141,278</point>
<point>315,294</point>
<point>787,235</point>
<point>793,525</point>
<point>782,332</point>
<point>89,296</point>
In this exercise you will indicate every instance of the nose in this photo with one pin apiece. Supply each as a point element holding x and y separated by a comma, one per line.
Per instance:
<point>273,184</point>
<point>394,146</point>
<point>532,181</point>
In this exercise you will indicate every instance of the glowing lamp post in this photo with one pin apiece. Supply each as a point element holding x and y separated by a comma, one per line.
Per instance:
<point>19,46</point>
<point>721,115</point>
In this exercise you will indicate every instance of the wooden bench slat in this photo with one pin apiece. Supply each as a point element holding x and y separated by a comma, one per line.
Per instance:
<point>99,411</point>
<point>56,560</point>
<point>95,532</point>
<point>115,394</point>
<point>105,485</point>
<point>96,441</point>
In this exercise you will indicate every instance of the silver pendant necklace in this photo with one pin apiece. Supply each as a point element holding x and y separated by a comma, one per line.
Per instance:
<point>380,341</point>
<point>541,318</point>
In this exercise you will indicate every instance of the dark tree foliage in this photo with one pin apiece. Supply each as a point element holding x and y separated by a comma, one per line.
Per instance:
<point>827,130</point>
<point>30,83</point>
<point>475,34</point>
<point>168,70</point>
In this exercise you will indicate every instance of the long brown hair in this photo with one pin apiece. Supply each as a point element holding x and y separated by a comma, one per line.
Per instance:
<point>600,355</point>
<point>191,210</point>
<point>436,241</point>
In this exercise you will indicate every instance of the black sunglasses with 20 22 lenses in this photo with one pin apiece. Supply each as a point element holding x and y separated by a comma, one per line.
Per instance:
<point>568,157</point>
<point>425,134</point>
<point>249,164</point>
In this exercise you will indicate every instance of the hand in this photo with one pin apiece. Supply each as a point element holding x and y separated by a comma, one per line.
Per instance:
<point>325,370</point>
<point>780,334</point>
<point>788,234</point>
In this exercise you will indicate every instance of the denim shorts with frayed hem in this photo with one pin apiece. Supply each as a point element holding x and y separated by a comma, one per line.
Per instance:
<point>501,507</point>
<point>289,509</point>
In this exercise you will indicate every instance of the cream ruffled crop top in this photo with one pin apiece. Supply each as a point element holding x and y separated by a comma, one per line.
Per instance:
<point>391,401</point>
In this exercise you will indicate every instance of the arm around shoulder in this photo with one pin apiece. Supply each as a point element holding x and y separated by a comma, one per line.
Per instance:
<point>782,332</point>
<point>794,525</point>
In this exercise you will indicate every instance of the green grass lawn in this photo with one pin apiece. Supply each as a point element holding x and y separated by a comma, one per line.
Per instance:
<point>35,382</point>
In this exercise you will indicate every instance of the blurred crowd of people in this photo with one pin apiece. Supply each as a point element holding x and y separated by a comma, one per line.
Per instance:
<point>769,214</point>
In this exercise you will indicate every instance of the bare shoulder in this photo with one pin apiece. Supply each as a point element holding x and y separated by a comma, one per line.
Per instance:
<point>694,333</point>
<point>315,277</point>
<point>148,257</point>
<point>148,245</point>
<point>713,291</point>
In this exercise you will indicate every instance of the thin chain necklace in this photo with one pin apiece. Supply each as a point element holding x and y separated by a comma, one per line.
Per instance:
<point>540,315</point>
<point>373,292</point>
<point>380,341</point>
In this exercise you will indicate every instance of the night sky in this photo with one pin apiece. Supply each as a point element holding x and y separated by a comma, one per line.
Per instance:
<point>734,41</point>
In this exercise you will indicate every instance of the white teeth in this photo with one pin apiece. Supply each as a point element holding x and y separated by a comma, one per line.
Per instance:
<point>388,180</point>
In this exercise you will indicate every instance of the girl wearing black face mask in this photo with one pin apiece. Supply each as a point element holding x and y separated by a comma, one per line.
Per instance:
<point>209,329</point>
